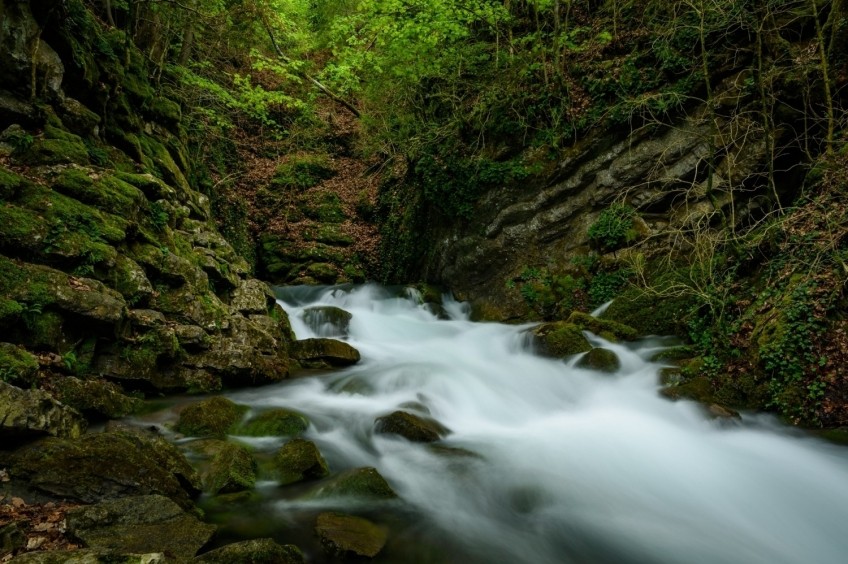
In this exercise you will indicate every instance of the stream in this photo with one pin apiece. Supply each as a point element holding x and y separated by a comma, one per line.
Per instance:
<point>548,463</point>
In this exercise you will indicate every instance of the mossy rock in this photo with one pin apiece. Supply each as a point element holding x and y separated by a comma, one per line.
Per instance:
<point>411,427</point>
<point>560,340</point>
<point>323,353</point>
<point>231,467</point>
<point>303,171</point>
<point>699,388</point>
<point>649,314</point>
<point>29,414</point>
<point>95,398</point>
<point>299,460</point>
<point>603,327</point>
<point>273,423</point>
<point>600,360</point>
<point>56,149</point>
<point>213,417</point>
<point>255,551</point>
<point>323,272</point>
<point>326,208</point>
<point>346,536</point>
<point>10,313</point>
<point>17,366</point>
<point>361,483</point>
<point>327,320</point>
<point>108,192</point>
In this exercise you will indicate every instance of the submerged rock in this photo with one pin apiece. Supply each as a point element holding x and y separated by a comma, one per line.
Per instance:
<point>299,460</point>
<point>230,468</point>
<point>140,524</point>
<point>364,483</point>
<point>560,340</point>
<point>273,423</point>
<point>346,535</point>
<point>324,353</point>
<point>256,551</point>
<point>25,414</point>
<point>212,417</point>
<point>328,321</point>
<point>601,360</point>
<point>411,427</point>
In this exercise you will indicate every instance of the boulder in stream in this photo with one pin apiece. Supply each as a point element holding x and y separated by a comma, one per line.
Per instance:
<point>213,417</point>
<point>328,321</point>
<point>411,427</point>
<point>600,360</point>
<point>559,339</point>
<point>323,353</point>
<point>278,422</point>
<point>346,535</point>
<point>362,483</point>
<point>255,551</point>
<point>229,467</point>
<point>609,330</point>
<point>140,524</point>
<point>299,460</point>
<point>25,414</point>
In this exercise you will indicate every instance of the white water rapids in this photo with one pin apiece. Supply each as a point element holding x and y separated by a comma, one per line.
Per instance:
<point>570,465</point>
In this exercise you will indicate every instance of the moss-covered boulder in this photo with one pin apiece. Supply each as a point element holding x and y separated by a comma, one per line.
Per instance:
<point>600,360</point>
<point>323,353</point>
<point>299,460</point>
<point>213,417</point>
<point>95,398</point>
<point>560,340</point>
<point>140,524</point>
<point>610,330</point>
<point>253,296</point>
<point>255,551</point>
<point>25,414</point>
<point>411,427</point>
<point>103,466</point>
<point>276,422</point>
<point>229,467</point>
<point>345,536</point>
<point>361,483</point>
<point>327,321</point>
<point>17,366</point>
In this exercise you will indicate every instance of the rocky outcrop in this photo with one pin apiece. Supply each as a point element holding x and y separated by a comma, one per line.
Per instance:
<point>226,468</point>
<point>324,353</point>
<point>25,414</point>
<point>213,417</point>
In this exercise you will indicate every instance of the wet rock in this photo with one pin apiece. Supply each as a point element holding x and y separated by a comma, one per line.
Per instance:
<point>299,460</point>
<point>328,321</point>
<point>609,330</point>
<point>273,423</point>
<point>210,418</point>
<point>601,360</point>
<point>95,397</point>
<point>88,557</point>
<point>560,340</point>
<point>363,483</point>
<point>103,466</point>
<point>720,412</point>
<point>25,414</point>
<point>230,468</point>
<point>256,551</point>
<point>253,296</point>
<point>324,353</point>
<point>346,535</point>
<point>140,524</point>
<point>698,388</point>
<point>411,427</point>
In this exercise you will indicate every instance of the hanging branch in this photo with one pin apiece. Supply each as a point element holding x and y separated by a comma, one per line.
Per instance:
<point>333,96</point>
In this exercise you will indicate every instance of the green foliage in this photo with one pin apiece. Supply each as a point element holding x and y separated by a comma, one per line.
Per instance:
<point>613,228</point>
<point>549,295</point>
<point>303,170</point>
<point>605,286</point>
<point>158,216</point>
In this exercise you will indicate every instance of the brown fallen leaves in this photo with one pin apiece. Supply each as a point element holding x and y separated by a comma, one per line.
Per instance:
<point>42,524</point>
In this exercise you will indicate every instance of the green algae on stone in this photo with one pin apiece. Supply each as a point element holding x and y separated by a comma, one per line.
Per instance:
<point>213,417</point>
<point>560,340</point>
<point>299,460</point>
<point>277,422</point>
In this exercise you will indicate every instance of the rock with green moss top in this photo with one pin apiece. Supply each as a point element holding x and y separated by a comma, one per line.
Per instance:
<point>273,423</point>
<point>411,427</point>
<point>130,280</point>
<point>17,365</point>
<point>102,466</point>
<point>610,330</point>
<point>95,397</point>
<point>255,551</point>
<point>323,353</point>
<point>323,272</point>
<point>698,388</point>
<point>192,306</point>
<point>56,147</point>
<point>10,312</point>
<point>600,360</point>
<point>107,192</point>
<point>299,460</point>
<point>153,188</point>
<point>140,524</point>
<point>346,536</point>
<point>362,483</point>
<point>649,314</point>
<point>230,467</point>
<point>253,296</point>
<point>10,183</point>
<point>169,266</point>
<point>559,339</point>
<point>213,417</point>
<point>26,414</point>
<point>327,320</point>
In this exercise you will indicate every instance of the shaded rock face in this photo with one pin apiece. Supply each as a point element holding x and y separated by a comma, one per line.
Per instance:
<point>346,535</point>
<point>323,353</point>
<point>141,524</point>
<point>411,427</point>
<point>25,414</point>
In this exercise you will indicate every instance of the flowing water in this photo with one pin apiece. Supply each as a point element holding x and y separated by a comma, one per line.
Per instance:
<point>549,463</point>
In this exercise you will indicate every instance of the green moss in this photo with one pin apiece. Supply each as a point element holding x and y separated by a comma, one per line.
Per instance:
<point>303,171</point>
<point>212,417</point>
<point>63,148</point>
<point>603,327</point>
<point>44,330</point>
<point>274,423</point>
<point>10,311</point>
<point>10,183</point>
<point>21,230</point>
<point>232,469</point>
<point>601,360</point>
<point>299,460</point>
<point>650,314</point>
<point>17,366</point>
<point>326,208</point>
<point>560,340</point>
<point>699,388</point>
<point>95,397</point>
<point>109,193</point>
<point>365,483</point>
